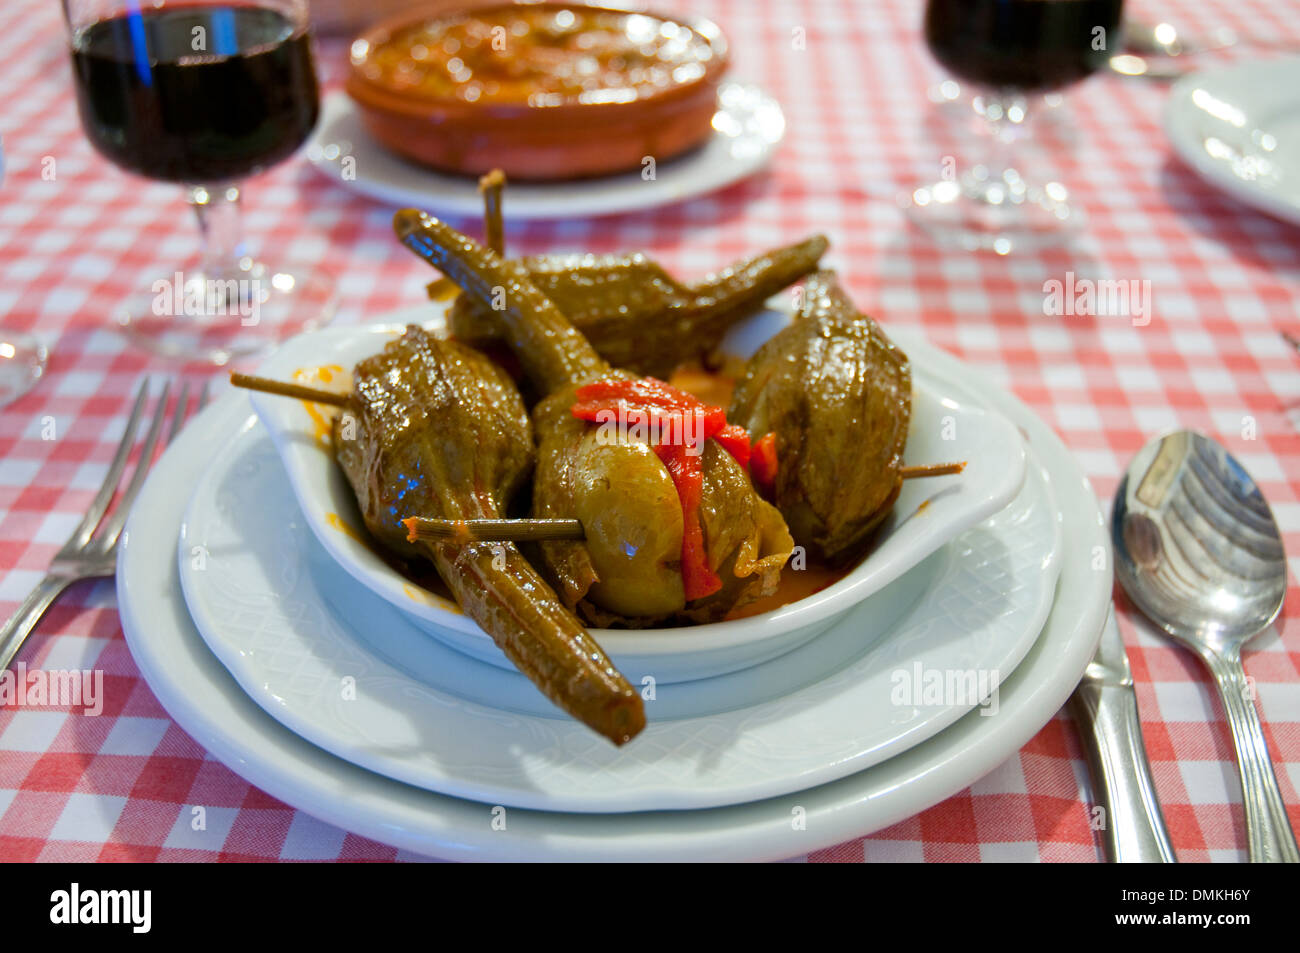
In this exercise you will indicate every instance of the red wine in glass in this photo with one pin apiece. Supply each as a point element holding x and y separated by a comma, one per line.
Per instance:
<point>242,102</point>
<point>1026,45</point>
<point>1009,49</point>
<point>203,94</point>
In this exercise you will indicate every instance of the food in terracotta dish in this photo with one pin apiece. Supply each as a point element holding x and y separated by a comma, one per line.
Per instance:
<point>541,91</point>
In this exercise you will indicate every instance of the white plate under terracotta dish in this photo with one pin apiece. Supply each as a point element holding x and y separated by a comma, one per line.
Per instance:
<point>207,702</point>
<point>927,514</point>
<point>339,666</point>
<point>747,129</point>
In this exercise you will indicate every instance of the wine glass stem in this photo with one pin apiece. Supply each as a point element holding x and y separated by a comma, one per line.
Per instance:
<point>220,230</point>
<point>1006,118</point>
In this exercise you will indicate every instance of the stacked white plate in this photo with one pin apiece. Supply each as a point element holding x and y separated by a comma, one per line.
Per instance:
<point>320,691</point>
<point>747,129</point>
<point>1239,127</point>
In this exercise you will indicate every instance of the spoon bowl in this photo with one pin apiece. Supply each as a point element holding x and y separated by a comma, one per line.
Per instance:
<point>1198,551</point>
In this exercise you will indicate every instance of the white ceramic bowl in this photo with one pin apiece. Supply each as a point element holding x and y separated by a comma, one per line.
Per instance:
<point>927,515</point>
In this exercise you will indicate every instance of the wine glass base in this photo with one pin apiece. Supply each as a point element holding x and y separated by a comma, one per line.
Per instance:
<point>960,103</point>
<point>194,316</point>
<point>1001,214</point>
<point>22,362</point>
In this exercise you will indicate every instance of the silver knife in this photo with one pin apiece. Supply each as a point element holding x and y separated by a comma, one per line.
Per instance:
<point>1104,707</point>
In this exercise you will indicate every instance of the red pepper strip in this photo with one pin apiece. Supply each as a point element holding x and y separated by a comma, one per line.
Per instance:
<point>646,397</point>
<point>735,440</point>
<point>762,465</point>
<point>687,471</point>
<point>646,390</point>
<point>588,410</point>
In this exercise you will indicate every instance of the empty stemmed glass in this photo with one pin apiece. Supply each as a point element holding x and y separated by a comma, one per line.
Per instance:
<point>204,93</point>
<point>22,357</point>
<point>1013,51</point>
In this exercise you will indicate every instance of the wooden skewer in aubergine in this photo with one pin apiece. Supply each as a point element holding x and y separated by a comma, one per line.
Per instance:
<point>267,385</point>
<point>490,187</point>
<point>514,530</point>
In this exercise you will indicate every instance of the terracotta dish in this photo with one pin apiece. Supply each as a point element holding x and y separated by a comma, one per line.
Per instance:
<point>542,91</point>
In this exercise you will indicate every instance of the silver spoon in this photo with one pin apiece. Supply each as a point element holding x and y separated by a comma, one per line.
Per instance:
<point>1164,39</point>
<point>1198,551</point>
<point>1152,51</point>
<point>1161,51</point>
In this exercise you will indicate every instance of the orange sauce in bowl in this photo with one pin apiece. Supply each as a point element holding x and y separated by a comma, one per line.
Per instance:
<point>546,56</point>
<point>795,584</point>
<point>322,415</point>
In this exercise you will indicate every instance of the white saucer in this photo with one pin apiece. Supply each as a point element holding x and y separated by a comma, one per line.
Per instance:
<point>345,670</point>
<point>748,127</point>
<point>207,702</point>
<point>1239,127</point>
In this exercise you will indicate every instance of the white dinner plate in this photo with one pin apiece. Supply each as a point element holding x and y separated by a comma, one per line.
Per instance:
<point>207,702</point>
<point>927,514</point>
<point>747,128</point>
<point>1239,127</point>
<point>342,668</point>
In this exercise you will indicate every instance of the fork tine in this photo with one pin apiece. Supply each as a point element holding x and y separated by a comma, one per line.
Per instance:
<point>203,396</point>
<point>178,418</point>
<point>106,539</point>
<point>99,504</point>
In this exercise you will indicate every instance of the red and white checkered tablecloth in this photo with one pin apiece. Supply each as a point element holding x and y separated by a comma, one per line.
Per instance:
<point>1225,280</point>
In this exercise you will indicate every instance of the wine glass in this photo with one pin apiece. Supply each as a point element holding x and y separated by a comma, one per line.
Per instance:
<point>22,357</point>
<point>1013,51</point>
<point>204,93</point>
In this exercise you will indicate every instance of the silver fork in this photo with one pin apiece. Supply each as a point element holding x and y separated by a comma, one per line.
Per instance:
<point>89,554</point>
